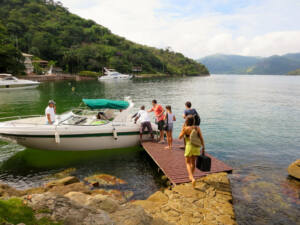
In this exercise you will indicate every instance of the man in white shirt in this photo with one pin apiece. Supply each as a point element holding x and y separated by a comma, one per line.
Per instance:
<point>143,116</point>
<point>50,112</point>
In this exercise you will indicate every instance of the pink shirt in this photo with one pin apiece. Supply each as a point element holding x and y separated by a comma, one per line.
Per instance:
<point>158,111</point>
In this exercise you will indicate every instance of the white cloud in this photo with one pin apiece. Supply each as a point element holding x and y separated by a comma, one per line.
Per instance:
<point>262,28</point>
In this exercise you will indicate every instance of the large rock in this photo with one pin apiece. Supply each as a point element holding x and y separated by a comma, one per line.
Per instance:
<point>7,191</point>
<point>78,197</point>
<point>63,181</point>
<point>61,174</point>
<point>103,202</point>
<point>104,179</point>
<point>131,215</point>
<point>120,196</point>
<point>209,203</point>
<point>96,201</point>
<point>294,169</point>
<point>60,208</point>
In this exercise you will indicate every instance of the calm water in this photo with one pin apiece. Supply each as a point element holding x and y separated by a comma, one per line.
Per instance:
<point>250,122</point>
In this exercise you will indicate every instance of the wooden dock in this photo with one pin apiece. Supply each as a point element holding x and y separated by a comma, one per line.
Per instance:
<point>172,162</point>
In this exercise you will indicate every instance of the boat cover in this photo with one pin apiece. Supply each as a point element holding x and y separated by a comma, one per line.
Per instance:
<point>105,104</point>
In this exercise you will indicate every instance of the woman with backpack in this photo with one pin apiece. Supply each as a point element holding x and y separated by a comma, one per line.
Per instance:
<point>193,142</point>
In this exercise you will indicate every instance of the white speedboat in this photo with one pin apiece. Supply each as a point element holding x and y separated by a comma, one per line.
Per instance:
<point>7,81</point>
<point>79,130</point>
<point>110,74</point>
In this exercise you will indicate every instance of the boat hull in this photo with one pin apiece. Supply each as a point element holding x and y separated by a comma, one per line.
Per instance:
<point>16,87</point>
<point>64,140</point>
<point>79,143</point>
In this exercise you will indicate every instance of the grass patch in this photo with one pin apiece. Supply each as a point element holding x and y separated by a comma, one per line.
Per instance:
<point>14,211</point>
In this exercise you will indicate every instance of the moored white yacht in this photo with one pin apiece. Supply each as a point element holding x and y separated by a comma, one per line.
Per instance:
<point>7,81</point>
<point>79,129</point>
<point>110,74</point>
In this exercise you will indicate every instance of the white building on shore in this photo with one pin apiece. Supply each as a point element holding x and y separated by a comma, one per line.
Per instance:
<point>28,63</point>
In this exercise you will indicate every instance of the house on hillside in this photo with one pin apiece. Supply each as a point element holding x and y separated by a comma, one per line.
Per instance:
<point>28,63</point>
<point>137,69</point>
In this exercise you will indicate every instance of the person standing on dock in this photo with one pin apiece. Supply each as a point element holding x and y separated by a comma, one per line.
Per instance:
<point>159,114</point>
<point>189,111</point>
<point>169,119</point>
<point>50,112</point>
<point>191,151</point>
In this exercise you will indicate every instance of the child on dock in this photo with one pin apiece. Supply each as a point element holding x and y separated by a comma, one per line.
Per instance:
<point>169,119</point>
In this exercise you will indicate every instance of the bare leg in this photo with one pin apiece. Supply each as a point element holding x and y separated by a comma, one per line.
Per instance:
<point>141,137</point>
<point>193,165</point>
<point>168,140</point>
<point>188,167</point>
<point>161,135</point>
<point>171,139</point>
<point>193,161</point>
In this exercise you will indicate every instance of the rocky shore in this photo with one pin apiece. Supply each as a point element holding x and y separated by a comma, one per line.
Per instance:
<point>69,201</point>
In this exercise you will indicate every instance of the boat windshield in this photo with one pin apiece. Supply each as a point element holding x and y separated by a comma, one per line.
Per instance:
<point>84,121</point>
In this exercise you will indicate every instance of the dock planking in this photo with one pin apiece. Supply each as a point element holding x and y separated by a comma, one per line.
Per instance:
<point>172,162</point>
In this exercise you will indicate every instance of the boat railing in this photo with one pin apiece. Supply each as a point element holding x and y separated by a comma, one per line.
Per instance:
<point>3,119</point>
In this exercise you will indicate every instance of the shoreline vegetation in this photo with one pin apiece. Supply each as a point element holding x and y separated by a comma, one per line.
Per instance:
<point>68,200</point>
<point>49,32</point>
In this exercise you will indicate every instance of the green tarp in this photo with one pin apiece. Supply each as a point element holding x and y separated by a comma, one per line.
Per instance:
<point>105,104</point>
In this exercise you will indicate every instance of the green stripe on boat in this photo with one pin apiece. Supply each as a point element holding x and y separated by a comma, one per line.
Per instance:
<point>74,135</point>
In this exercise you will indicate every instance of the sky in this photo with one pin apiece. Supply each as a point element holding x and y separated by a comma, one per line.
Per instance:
<point>198,28</point>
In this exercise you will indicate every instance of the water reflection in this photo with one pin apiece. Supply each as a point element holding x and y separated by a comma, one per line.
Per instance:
<point>250,122</point>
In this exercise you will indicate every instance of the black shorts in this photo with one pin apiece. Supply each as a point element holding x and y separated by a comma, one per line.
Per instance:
<point>160,125</point>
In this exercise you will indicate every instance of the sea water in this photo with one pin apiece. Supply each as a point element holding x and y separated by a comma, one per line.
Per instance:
<point>250,122</point>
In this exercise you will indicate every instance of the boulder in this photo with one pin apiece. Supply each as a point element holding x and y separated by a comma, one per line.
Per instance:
<point>61,174</point>
<point>104,179</point>
<point>294,169</point>
<point>96,201</point>
<point>78,197</point>
<point>63,181</point>
<point>131,215</point>
<point>78,187</point>
<point>61,208</point>
<point>209,203</point>
<point>7,191</point>
<point>103,202</point>
<point>118,195</point>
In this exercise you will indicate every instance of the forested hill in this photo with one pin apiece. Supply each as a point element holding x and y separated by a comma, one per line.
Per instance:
<point>236,64</point>
<point>49,31</point>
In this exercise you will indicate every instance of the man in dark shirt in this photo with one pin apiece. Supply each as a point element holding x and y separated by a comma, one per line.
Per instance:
<point>193,112</point>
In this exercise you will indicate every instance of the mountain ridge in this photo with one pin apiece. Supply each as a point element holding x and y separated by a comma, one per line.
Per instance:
<point>237,64</point>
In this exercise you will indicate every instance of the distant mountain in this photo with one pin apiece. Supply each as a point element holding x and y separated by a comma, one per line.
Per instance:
<point>236,64</point>
<point>228,63</point>
<point>294,72</point>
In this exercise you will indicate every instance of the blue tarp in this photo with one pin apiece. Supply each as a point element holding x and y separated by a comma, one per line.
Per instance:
<point>105,104</point>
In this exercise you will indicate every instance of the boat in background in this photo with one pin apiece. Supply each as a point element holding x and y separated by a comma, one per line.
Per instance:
<point>79,129</point>
<point>111,74</point>
<point>7,81</point>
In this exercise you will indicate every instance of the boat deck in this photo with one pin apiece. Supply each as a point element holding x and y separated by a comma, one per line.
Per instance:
<point>172,162</point>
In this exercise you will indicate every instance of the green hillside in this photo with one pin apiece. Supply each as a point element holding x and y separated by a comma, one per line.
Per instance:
<point>49,31</point>
<point>294,72</point>
<point>235,64</point>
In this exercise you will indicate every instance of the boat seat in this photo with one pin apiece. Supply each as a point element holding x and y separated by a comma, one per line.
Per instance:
<point>98,122</point>
<point>109,113</point>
